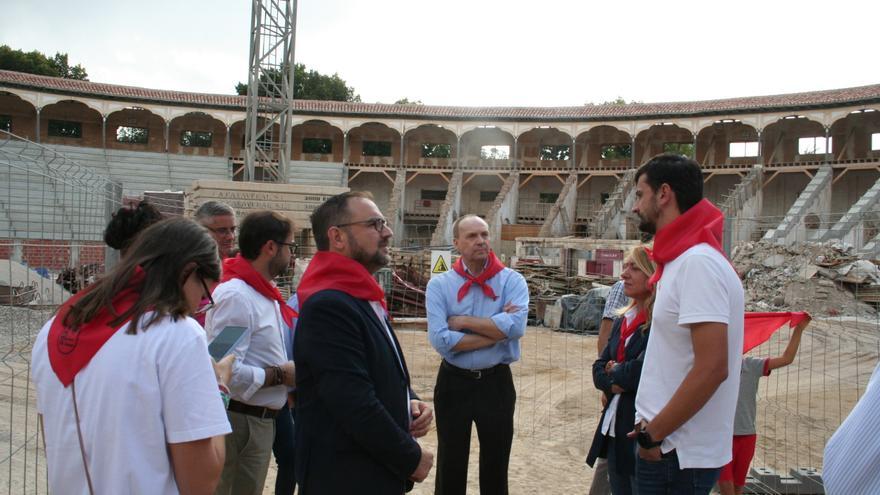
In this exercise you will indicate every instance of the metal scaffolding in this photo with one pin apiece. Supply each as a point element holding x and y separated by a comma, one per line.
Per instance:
<point>270,90</point>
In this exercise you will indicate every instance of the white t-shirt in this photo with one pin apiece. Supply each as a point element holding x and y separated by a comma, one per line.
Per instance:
<point>699,286</point>
<point>137,394</point>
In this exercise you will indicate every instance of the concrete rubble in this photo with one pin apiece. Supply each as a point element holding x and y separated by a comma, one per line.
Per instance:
<point>826,279</point>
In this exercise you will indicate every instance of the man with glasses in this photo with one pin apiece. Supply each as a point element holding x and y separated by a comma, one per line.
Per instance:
<point>219,219</point>
<point>358,418</point>
<point>262,372</point>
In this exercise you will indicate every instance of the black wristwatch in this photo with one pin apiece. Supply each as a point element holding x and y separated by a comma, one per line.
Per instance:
<point>645,440</point>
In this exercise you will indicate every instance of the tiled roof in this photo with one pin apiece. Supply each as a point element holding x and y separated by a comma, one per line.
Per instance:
<point>813,99</point>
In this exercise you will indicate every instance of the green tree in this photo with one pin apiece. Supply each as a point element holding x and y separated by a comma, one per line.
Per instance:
<point>407,101</point>
<point>307,85</point>
<point>617,101</point>
<point>36,62</point>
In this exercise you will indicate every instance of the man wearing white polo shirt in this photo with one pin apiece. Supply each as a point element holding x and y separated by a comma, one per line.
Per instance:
<point>690,377</point>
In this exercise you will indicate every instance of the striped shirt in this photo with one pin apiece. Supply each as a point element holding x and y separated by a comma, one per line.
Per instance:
<point>852,456</point>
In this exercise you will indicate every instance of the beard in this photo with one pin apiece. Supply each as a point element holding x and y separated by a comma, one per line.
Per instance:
<point>648,218</point>
<point>371,262</point>
<point>278,264</point>
<point>647,225</point>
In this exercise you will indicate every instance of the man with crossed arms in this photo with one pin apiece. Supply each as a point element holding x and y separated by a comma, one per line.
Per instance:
<point>476,315</point>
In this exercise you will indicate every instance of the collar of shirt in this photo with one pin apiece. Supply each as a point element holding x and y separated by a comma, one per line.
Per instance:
<point>468,271</point>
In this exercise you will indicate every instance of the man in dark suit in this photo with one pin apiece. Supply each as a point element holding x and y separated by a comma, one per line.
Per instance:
<point>357,416</point>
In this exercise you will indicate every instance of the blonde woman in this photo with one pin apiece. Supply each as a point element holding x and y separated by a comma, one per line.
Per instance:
<point>617,371</point>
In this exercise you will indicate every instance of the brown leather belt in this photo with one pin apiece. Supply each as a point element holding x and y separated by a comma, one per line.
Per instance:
<point>257,411</point>
<point>475,374</point>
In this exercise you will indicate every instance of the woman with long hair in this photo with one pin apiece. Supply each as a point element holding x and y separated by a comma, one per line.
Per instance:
<point>617,372</point>
<point>127,395</point>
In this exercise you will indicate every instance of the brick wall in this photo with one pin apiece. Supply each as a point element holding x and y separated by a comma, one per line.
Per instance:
<point>51,254</point>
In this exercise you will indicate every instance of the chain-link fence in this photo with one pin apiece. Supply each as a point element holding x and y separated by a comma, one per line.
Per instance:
<point>799,406</point>
<point>52,216</point>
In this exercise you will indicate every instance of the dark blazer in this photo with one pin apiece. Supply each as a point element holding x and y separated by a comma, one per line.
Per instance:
<point>626,376</point>
<point>352,414</point>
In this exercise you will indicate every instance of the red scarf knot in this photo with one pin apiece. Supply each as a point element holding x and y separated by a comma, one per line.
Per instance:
<point>333,271</point>
<point>242,269</point>
<point>493,267</point>
<point>702,223</point>
<point>71,349</point>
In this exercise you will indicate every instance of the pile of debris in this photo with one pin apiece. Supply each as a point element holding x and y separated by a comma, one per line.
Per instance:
<point>826,279</point>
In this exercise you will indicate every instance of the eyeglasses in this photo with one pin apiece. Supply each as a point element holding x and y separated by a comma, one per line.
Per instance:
<point>292,246</point>
<point>206,307</point>
<point>223,230</point>
<point>377,223</point>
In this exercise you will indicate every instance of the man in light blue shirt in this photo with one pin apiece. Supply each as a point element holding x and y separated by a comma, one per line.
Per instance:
<point>476,315</point>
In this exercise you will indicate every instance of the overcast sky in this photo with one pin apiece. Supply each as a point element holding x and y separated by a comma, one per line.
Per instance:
<point>475,52</point>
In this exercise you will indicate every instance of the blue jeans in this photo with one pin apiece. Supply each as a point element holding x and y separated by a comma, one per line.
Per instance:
<point>664,477</point>
<point>283,449</point>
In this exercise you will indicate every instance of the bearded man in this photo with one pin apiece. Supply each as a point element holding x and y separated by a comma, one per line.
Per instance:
<point>261,374</point>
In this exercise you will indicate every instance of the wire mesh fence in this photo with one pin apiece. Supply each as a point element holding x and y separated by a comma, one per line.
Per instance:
<point>52,214</point>
<point>799,406</point>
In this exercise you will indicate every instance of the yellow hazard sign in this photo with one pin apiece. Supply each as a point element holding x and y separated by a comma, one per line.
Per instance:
<point>440,266</point>
<point>440,262</point>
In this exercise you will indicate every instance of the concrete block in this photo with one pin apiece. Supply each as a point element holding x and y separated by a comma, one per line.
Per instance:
<point>773,261</point>
<point>811,478</point>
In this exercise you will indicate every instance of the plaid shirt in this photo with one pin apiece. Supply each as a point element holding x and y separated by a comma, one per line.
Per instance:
<point>616,299</point>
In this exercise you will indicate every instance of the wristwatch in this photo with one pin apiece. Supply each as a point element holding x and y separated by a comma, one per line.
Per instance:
<point>645,440</point>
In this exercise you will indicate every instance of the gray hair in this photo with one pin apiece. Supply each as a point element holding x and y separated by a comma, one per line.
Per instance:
<point>211,209</point>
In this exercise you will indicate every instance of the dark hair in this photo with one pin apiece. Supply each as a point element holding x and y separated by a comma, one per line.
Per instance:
<point>163,263</point>
<point>683,175</point>
<point>127,223</point>
<point>332,212</point>
<point>259,227</point>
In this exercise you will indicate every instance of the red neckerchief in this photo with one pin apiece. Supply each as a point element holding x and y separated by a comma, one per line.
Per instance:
<point>759,327</point>
<point>492,268</point>
<point>703,222</point>
<point>70,350</point>
<point>627,329</point>
<point>329,270</point>
<point>242,269</point>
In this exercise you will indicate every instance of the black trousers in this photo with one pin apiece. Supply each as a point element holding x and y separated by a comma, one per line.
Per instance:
<point>459,402</point>
<point>283,448</point>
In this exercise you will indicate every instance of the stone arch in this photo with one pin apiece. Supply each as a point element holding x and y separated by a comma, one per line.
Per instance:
<point>139,118</point>
<point>780,139</point>
<point>591,144</point>
<point>531,143</point>
<point>318,129</point>
<point>473,141</point>
<point>654,140</point>
<point>416,138</point>
<point>852,135</point>
<point>713,143</point>
<point>21,115</point>
<point>373,133</point>
<point>87,119</point>
<point>197,133</point>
